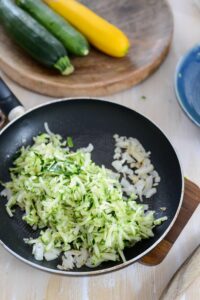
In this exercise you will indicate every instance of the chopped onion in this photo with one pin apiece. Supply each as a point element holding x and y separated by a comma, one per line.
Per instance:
<point>132,160</point>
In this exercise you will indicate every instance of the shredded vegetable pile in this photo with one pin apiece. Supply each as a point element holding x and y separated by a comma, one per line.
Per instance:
<point>77,205</point>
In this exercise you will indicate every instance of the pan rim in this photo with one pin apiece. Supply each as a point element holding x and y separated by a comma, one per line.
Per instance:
<point>123,264</point>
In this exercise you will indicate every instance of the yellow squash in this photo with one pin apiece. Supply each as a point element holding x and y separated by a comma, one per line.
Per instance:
<point>100,33</point>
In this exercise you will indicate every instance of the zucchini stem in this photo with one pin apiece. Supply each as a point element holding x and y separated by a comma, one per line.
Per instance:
<point>64,66</point>
<point>85,51</point>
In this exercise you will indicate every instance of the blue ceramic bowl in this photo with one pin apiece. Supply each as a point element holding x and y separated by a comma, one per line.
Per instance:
<point>187,84</point>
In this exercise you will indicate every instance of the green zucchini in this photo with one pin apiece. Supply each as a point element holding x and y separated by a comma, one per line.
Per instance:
<point>72,39</point>
<point>34,38</point>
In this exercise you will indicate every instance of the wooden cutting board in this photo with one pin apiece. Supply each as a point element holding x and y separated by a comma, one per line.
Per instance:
<point>191,201</point>
<point>149,26</point>
<point>186,282</point>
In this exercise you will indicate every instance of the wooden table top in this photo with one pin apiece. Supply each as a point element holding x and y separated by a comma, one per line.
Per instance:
<point>19,281</point>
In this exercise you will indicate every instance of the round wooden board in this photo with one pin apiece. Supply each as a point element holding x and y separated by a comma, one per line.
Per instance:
<point>149,26</point>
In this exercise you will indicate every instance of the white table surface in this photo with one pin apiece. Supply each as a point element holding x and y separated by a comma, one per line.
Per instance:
<point>19,281</point>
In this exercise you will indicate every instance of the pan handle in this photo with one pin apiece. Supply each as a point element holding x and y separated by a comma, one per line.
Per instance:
<point>9,104</point>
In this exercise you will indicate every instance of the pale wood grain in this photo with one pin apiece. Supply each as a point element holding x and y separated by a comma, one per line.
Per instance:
<point>186,282</point>
<point>149,26</point>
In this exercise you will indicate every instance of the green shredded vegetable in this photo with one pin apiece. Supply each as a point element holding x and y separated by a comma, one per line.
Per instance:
<point>75,203</point>
<point>70,142</point>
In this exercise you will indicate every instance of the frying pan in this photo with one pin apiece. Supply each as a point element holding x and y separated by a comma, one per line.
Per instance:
<point>87,121</point>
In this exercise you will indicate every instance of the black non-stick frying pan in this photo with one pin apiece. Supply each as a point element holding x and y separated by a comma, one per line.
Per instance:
<point>87,121</point>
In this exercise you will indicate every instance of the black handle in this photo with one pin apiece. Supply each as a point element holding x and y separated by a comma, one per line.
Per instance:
<point>8,101</point>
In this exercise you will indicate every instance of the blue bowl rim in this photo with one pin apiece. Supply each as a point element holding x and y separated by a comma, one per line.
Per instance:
<point>177,72</point>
